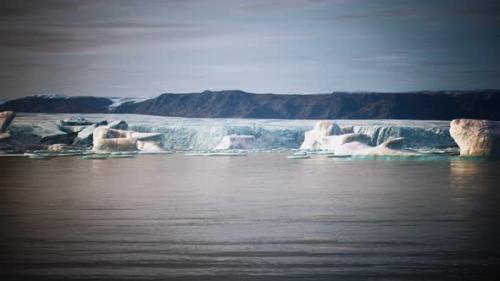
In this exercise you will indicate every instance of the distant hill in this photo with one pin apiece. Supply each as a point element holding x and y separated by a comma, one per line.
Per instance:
<point>429,105</point>
<point>58,104</point>
<point>439,105</point>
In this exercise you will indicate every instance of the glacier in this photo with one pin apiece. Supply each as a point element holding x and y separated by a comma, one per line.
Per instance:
<point>117,101</point>
<point>205,133</point>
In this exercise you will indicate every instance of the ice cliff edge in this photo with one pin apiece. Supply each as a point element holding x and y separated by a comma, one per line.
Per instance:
<point>476,137</point>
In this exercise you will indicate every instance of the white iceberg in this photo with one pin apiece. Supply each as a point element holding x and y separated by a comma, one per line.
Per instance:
<point>318,137</point>
<point>236,142</point>
<point>476,137</point>
<point>325,136</point>
<point>109,140</point>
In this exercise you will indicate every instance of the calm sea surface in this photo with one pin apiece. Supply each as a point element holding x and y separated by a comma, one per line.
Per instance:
<point>261,217</point>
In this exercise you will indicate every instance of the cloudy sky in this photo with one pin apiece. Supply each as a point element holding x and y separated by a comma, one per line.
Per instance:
<point>144,48</point>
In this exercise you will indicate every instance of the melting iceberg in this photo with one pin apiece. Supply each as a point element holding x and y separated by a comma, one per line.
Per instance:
<point>206,133</point>
<point>236,142</point>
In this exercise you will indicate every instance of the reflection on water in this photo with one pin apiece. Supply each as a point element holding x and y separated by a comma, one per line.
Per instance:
<point>261,217</point>
<point>463,168</point>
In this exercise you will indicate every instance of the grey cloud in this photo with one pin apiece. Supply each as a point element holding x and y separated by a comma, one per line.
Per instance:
<point>29,7</point>
<point>264,5</point>
<point>47,40</point>
<point>431,10</point>
<point>477,71</point>
<point>76,37</point>
<point>15,8</point>
<point>147,47</point>
<point>110,24</point>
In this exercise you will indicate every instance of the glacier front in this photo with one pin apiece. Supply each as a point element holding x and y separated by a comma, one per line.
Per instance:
<point>206,133</point>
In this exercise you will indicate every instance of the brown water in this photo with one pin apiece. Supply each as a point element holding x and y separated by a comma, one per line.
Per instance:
<point>261,217</point>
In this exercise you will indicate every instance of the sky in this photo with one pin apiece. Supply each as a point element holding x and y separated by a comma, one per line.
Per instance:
<point>145,48</point>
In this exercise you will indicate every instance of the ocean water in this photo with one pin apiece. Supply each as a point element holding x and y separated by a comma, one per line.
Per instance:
<point>260,217</point>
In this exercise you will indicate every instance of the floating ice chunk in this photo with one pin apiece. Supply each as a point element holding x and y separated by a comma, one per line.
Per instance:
<point>58,147</point>
<point>122,155</point>
<point>195,154</point>
<point>85,137</point>
<point>4,136</point>
<point>226,153</point>
<point>118,124</point>
<point>357,148</point>
<point>320,152</point>
<point>151,146</point>
<point>236,142</point>
<point>6,118</point>
<point>82,127</point>
<point>72,129</point>
<point>108,140</point>
<point>99,156</point>
<point>298,156</point>
<point>163,152</point>
<point>338,156</point>
<point>74,121</point>
<point>317,138</point>
<point>39,155</point>
<point>350,144</point>
<point>476,137</point>
<point>41,133</point>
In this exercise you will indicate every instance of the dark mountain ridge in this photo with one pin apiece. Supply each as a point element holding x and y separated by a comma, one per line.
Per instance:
<point>428,105</point>
<point>438,105</point>
<point>58,104</point>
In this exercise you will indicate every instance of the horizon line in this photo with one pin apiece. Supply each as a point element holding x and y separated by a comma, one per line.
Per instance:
<point>255,93</point>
